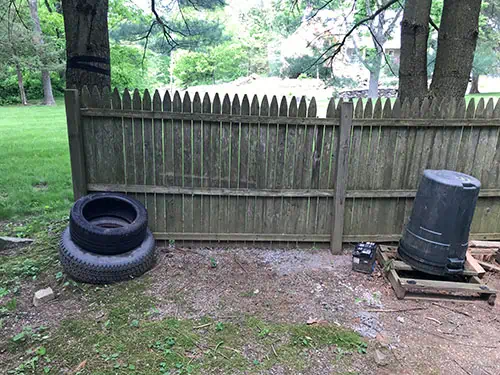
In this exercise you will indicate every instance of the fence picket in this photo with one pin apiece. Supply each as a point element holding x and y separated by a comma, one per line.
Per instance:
<point>244,214</point>
<point>197,155</point>
<point>216,145</point>
<point>253,149</point>
<point>158,165</point>
<point>496,111</point>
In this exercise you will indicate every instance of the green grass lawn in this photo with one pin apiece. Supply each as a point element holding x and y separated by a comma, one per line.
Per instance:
<point>35,173</point>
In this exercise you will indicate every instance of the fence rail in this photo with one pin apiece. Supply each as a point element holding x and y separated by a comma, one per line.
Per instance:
<point>249,170</point>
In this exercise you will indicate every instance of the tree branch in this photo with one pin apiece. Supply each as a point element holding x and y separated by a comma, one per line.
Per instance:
<point>433,24</point>
<point>383,52</point>
<point>319,10</point>
<point>337,47</point>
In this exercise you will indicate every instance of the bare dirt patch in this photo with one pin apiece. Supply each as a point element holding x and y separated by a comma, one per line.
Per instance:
<point>282,287</point>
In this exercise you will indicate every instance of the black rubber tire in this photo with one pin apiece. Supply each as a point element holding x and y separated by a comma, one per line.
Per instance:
<point>88,267</point>
<point>108,223</point>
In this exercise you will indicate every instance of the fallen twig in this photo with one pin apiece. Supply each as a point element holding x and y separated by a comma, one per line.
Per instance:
<point>239,264</point>
<point>274,351</point>
<point>396,310</point>
<point>452,309</point>
<point>232,349</point>
<point>434,320</point>
<point>459,365</point>
<point>202,326</point>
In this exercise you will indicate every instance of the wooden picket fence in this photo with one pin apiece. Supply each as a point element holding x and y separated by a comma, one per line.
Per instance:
<point>212,170</point>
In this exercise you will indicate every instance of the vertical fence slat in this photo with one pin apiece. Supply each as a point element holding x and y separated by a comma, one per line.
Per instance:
<point>197,151</point>
<point>289,169</point>
<point>341,178</point>
<point>207,161</point>
<point>116,145</point>
<point>300,165</point>
<point>216,145</point>
<point>187,157</point>
<point>149,157</point>
<point>236,219</point>
<point>158,166</point>
<point>176,204</point>
<point>281,162</point>
<point>244,158</point>
<point>76,143</point>
<point>272,205</point>
<point>253,149</point>
<point>263,164</point>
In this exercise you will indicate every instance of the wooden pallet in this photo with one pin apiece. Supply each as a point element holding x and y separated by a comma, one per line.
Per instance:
<point>411,284</point>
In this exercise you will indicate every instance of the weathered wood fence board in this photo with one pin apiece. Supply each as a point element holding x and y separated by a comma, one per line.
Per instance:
<point>247,170</point>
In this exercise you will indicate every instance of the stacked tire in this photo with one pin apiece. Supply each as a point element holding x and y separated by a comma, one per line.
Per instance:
<point>107,239</point>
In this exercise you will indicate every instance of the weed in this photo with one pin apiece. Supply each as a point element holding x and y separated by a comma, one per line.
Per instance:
<point>213,263</point>
<point>219,326</point>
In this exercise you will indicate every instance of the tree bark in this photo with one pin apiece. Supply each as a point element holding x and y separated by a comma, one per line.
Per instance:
<point>48,97</point>
<point>456,44</point>
<point>375,75</point>
<point>87,43</point>
<point>22,91</point>
<point>413,58</point>
<point>474,88</point>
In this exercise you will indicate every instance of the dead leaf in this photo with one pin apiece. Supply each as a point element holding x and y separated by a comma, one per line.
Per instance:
<point>313,321</point>
<point>80,367</point>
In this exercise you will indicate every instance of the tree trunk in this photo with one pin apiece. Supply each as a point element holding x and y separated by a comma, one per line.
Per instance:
<point>22,92</point>
<point>48,97</point>
<point>413,58</point>
<point>474,88</point>
<point>87,43</point>
<point>456,44</point>
<point>373,85</point>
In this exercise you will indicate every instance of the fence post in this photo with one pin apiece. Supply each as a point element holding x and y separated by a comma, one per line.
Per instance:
<point>341,177</point>
<point>75,137</point>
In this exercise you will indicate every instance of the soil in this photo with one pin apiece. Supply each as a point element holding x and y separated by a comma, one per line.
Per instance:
<point>297,286</point>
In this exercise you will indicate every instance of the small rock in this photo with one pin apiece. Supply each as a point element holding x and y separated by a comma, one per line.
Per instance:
<point>43,296</point>
<point>381,359</point>
<point>383,339</point>
<point>400,319</point>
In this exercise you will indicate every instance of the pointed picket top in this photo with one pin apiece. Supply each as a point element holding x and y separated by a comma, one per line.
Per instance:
<point>377,109</point>
<point>136,100</point>
<point>488,111</point>
<point>358,109</point>
<point>196,103</point>
<point>146,101</point>
<point>127,99</point>
<point>236,107</point>
<point>460,110</point>
<point>496,111</point>
<point>226,104</point>
<point>95,98</point>
<point>106,98</point>
<point>206,106</point>
<point>471,109</point>
<point>216,106</point>
<point>425,108</point>
<point>338,108</point>
<point>245,105</point>
<point>480,109</point>
<point>273,110</point>
<point>264,108</point>
<point>368,113</point>
<point>254,108</point>
<point>186,103</point>
<point>396,109</point>
<point>302,107</point>
<point>167,102</point>
<point>434,109</point>
<point>330,110</point>
<point>116,101</point>
<point>85,97</point>
<point>177,102</point>
<point>311,112</point>
<point>293,110</point>
<point>156,101</point>
<point>387,112</point>
<point>283,112</point>
<point>406,108</point>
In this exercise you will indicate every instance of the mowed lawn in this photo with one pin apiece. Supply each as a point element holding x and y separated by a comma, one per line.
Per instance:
<point>35,173</point>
